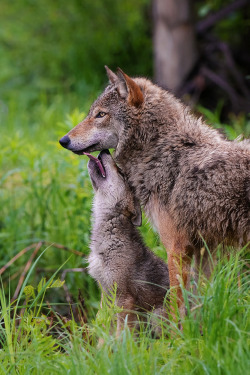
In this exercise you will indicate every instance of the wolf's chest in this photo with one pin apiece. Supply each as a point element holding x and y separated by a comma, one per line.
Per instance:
<point>152,210</point>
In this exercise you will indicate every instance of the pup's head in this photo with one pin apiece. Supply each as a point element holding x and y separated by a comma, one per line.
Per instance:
<point>112,192</point>
<point>106,119</point>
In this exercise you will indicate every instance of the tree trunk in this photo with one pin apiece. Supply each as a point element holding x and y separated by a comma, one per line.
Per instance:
<point>175,51</point>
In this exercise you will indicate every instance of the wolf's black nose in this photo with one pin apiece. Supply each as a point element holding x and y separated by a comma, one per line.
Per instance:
<point>64,141</point>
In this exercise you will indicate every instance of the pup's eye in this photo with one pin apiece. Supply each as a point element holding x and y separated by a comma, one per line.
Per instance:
<point>100,114</point>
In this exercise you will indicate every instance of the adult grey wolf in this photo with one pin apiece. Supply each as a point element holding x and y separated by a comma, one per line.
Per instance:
<point>192,182</point>
<point>118,254</point>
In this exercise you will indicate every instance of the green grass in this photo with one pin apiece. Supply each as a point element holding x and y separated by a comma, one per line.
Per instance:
<point>221,314</point>
<point>45,195</point>
<point>45,192</point>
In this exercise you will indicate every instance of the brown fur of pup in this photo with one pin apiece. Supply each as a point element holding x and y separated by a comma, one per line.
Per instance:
<point>118,254</point>
<point>192,182</point>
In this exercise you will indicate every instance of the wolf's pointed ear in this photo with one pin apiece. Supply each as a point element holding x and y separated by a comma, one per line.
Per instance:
<point>127,88</point>
<point>111,75</point>
<point>137,216</point>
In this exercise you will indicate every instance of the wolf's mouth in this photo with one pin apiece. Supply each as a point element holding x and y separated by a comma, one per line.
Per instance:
<point>86,150</point>
<point>98,162</point>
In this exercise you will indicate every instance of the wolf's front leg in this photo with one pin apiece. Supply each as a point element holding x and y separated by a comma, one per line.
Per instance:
<point>179,256</point>
<point>179,265</point>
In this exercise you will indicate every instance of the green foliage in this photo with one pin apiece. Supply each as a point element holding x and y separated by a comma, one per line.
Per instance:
<point>60,45</point>
<point>45,191</point>
<point>29,290</point>
<point>24,329</point>
<point>239,126</point>
<point>48,51</point>
<point>45,194</point>
<point>213,339</point>
<point>233,28</point>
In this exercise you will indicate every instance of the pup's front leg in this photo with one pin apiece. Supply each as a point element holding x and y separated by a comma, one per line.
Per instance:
<point>128,304</point>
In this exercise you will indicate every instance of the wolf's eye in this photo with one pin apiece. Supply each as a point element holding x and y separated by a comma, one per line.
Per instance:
<point>100,114</point>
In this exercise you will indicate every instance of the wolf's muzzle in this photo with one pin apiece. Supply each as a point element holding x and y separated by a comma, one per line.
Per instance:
<point>65,141</point>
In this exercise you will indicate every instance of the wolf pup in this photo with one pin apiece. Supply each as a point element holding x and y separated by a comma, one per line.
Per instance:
<point>193,183</point>
<point>118,254</point>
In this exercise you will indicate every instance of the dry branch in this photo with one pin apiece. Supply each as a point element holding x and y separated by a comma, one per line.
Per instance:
<point>59,246</point>
<point>68,296</point>
<point>212,19</point>
<point>28,248</point>
<point>16,257</point>
<point>26,268</point>
<point>219,81</point>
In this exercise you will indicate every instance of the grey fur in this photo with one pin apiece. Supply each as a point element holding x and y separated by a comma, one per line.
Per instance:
<point>192,182</point>
<point>118,254</point>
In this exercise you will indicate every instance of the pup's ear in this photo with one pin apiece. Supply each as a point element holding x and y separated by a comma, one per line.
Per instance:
<point>111,75</point>
<point>137,216</point>
<point>127,88</point>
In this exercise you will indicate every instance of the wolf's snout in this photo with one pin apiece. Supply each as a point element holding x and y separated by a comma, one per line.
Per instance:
<point>65,141</point>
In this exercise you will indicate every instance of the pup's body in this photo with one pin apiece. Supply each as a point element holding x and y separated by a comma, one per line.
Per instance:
<point>118,254</point>
<point>191,181</point>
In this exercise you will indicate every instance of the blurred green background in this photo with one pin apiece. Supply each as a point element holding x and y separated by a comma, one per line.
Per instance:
<point>61,46</point>
<point>52,57</point>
